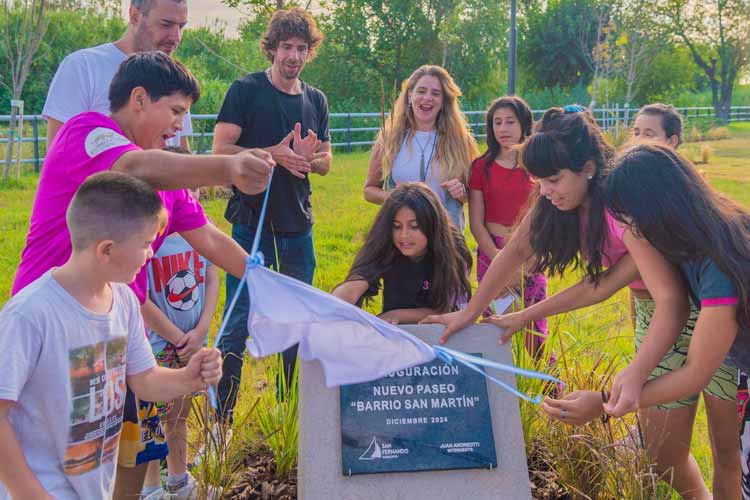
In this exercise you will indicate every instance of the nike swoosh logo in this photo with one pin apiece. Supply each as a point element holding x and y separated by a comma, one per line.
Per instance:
<point>173,297</point>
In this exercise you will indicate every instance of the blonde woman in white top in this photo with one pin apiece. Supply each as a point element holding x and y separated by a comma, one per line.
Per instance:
<point>426,138</point>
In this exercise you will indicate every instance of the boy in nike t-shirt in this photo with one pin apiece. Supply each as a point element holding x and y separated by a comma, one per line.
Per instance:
<point>183,290</point>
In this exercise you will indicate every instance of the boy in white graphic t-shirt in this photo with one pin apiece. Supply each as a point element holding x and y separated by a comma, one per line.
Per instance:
<point>72,339</point>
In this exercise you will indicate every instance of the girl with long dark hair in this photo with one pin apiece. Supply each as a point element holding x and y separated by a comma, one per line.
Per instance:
<point>499,190</point>
<point>415,254</point>
<point>569,226</point>
<point>663,198</point>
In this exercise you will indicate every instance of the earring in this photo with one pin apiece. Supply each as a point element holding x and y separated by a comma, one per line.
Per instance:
<point>590,177</point>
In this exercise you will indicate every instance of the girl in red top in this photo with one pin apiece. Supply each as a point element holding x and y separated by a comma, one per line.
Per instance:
<point>499,190</point>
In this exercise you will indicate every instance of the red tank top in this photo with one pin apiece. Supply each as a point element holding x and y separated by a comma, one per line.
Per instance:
<point>505,191</point>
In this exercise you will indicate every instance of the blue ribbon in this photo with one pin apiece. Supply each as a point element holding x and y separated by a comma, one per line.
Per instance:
<point>255,258</point>
<point>449,356</point>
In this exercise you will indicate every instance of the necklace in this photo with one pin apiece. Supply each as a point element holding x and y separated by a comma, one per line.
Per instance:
<point>296,90</point>
<point>422,166</point>
<point>515,162</point>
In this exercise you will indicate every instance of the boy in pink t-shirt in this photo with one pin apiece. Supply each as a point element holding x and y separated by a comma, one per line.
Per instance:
<point>88,143</point>
<point>149,96</point>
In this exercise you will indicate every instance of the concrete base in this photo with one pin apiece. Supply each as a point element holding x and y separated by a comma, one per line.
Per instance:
<point>319,467</point>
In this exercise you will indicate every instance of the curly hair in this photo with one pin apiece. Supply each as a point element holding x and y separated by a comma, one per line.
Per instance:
<point>286,24</point>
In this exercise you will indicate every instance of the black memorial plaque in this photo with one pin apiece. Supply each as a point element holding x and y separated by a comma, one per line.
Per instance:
<point>433,416</point>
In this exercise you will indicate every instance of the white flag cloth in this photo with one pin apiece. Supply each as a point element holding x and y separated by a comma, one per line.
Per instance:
<point>352,345</point>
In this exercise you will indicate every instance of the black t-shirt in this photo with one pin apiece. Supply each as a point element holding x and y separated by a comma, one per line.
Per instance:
<point>266,115</point>
<point>406,284</point>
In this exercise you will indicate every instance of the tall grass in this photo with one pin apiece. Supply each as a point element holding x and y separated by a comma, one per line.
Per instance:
<point>277,416</point>
<point>602,461</point>
<point>219,457</point>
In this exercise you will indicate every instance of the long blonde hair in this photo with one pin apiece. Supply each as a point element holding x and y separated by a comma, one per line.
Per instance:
<point>456,146</point>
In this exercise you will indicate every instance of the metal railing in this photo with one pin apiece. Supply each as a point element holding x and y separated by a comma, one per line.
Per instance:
<point>350,131</point>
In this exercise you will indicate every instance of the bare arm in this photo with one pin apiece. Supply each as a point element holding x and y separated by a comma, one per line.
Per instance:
<point>374,192</point>
<point>53,126</point>
<point>407,316</point>
<point>219,248</point>
<point>15,473</point>
<point>249,171</point>
<point>211,299</point>
<point>501,273</point>
<point>476,224</point>
<point>167,384</point>
<point>226,136</point>
<point>713,336</point>
<point>351,291</point>
<point>583,294</point>
<point>158,322</point>
<point>193,340</point>
<point>671,310</point>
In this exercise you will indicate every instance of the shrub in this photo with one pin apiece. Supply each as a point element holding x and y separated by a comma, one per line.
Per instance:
<point>694,134</point>
<point>718,133</point>
<point>219,459</point>
<point>619,135</point>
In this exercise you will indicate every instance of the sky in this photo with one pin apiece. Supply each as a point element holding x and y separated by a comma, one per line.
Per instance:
<point>205,12</point>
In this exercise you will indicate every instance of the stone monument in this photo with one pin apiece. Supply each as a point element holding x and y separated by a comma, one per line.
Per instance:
<point>436,431</point>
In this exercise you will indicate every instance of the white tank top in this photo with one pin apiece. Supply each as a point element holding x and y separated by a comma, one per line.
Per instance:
<point>406,166</point>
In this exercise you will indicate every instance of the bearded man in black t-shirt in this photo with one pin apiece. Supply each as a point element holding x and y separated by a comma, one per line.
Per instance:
<point>276,111</point>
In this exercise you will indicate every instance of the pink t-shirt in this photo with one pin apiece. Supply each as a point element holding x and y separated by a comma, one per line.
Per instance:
<point>86,144</point>
<point>614,247</point>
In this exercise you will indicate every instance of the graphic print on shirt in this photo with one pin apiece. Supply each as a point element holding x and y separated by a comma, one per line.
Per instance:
<point>174,278</point>
<point>97,386</point>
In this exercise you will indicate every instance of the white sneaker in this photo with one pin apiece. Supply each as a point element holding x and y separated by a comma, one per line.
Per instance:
<point>188,491</point>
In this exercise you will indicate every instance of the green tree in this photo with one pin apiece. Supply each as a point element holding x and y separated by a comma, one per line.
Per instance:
<point>550,50</point>
<point>717,33</point>
<point>70,29</point>
<point>378,43</point>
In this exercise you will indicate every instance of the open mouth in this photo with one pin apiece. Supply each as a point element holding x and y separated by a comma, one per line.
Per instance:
<point>165,139</point>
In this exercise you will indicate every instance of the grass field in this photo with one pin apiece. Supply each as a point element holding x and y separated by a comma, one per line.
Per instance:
<point>342,219</point>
